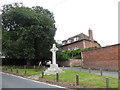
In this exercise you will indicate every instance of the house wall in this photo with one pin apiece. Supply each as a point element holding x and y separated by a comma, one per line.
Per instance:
<point>105,57</point>
<point>89,44</point>
<point>80,44</point>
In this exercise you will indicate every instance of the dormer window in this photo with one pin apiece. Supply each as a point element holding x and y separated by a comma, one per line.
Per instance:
<point>69,41</point>
<point>64,43</point>
<point>76,38</point>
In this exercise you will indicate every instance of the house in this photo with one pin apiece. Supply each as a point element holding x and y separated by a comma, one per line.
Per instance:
<point>79,41</point>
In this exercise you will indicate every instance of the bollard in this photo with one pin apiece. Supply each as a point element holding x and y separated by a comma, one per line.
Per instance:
<point>89,70</point>
<point>118,74</point>
<point>11,70</point>
<point>17,71</point>
<point>57,77</point>
<point>80,68</point>
<point>77,80</point>
<point>42,74</point>
<point>6,68</point>
<point>24,66</point>
<point>71,67</point>
<point>34,67</point>
<point>107,82</point>
<point>25,72</point>
<point>101,72</point>
<point>63,67</point>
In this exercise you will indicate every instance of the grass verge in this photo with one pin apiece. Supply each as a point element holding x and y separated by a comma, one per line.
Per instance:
<point>86,80</point>
<point>29,72</point>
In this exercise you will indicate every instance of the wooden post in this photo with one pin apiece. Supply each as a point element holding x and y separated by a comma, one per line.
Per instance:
<point>24,66</point>
<point>80,68</point>
<point>14,66</point>
<point>11,70</point>
<point>89,70</point>
<point>107,82</point>
<point>25,72</point>
<point>34,67</point>
<point>42,74</point>
<point>5,68</point>
<point>101,72</point>
<point>119,75</point>
<point>57,77</point>
<point>77,80</point>
<point>17,71</point>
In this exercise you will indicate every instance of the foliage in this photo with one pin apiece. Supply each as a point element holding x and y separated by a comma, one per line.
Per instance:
<point>77,53</point>
<point>72,54</point>
<point>62,56</point>
<point>28,33</point>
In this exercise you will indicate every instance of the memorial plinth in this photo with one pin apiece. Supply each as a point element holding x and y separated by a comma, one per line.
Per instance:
<point>53,69</point>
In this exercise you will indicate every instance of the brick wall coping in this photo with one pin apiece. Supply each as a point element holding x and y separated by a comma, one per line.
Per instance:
<point>102,47</point>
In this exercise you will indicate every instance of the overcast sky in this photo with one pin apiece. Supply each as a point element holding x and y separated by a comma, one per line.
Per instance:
<point>77,16</point>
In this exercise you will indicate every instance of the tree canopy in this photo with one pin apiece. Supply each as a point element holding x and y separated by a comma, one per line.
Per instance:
<point>28,33</point>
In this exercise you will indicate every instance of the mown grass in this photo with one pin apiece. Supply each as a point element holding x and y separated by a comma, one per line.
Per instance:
<point>29,72</point>
<point>86,80</point>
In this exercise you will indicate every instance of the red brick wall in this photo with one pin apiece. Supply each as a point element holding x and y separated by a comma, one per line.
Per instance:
<point>80,45</point>
<point>89,44</point>
<point>70,62</point>
<point>105,57</point>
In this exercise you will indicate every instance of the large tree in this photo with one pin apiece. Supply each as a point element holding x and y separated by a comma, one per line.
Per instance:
<point>28,33</point>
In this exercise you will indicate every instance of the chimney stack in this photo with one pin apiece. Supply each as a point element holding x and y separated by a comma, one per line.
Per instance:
<point>90,34</point>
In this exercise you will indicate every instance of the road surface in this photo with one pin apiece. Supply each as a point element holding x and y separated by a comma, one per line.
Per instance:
<point>12,81</point>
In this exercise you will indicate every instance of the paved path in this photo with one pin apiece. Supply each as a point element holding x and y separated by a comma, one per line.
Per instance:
<point>105,73</point>
<point>12,81</point>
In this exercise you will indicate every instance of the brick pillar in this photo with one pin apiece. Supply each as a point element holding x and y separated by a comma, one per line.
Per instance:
<point>90,37</point>
<point>90,34</point>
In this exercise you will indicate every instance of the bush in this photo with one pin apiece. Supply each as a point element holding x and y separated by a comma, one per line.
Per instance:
<point>62,56</point>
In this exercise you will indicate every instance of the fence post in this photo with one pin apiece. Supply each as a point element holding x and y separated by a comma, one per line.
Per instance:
<point>25,72</point>
<point>57,77</point>
<point>89,70</point>
<point>11,70</point>
<point>77,80</point>
<point>17,71</point>
<point>24,66</point>
<point>6,68</point>
<point>80,68</point>
<point>34,67</point>
<point>107,82</point>
<point>101,72</point>
<point>42,74</point>
<point>14,66</point>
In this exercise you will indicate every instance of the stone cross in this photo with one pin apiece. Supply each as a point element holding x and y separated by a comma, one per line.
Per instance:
<point>53,50</point>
